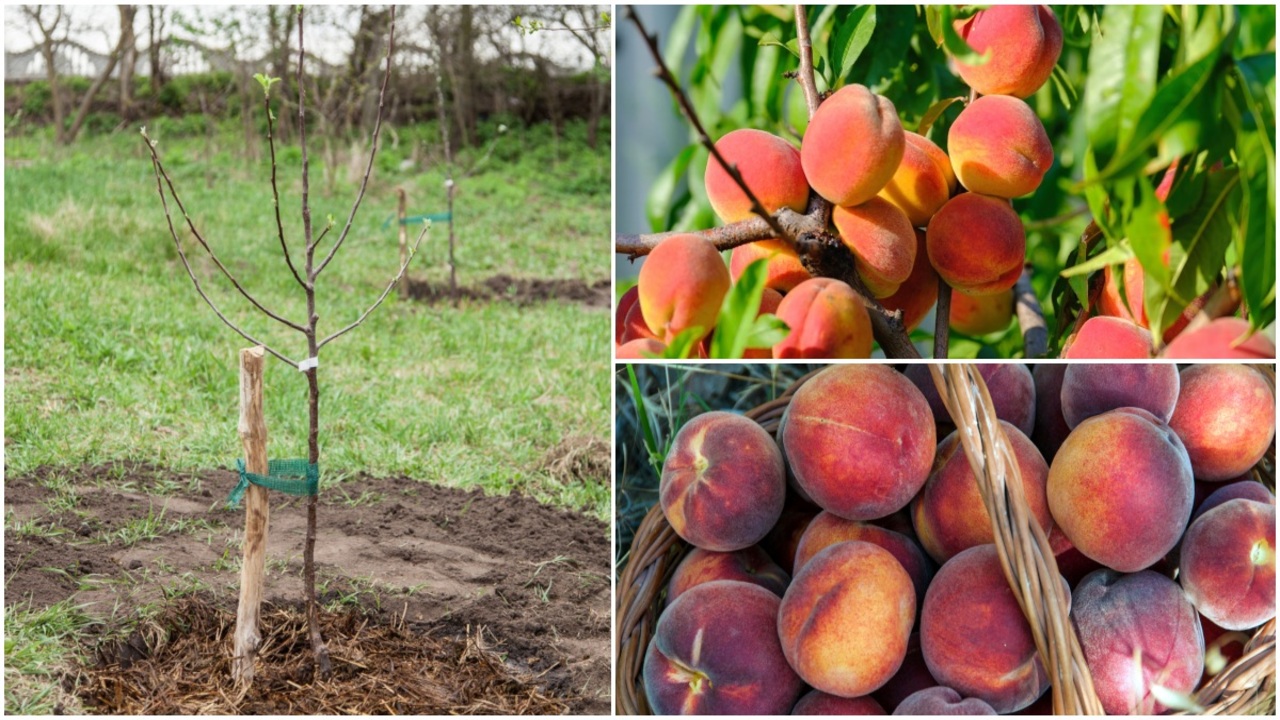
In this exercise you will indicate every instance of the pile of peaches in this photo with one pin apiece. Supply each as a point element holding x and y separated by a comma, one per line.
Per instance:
<point>908,211</point>
<point>849,567</point>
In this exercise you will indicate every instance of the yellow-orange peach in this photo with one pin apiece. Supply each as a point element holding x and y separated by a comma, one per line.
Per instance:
<point>977,244</point>
<point>1022,44</point>
<point>974,636</point>
<point>769,165</point>
<point>868,438</point>
<point>853,146</point>
<point>846,618</point>
<point>917,294</point>
<point>1120,488</point>
<point>784,271</point>
<point>682,285</point>
<point>924,180</point>
<point>723,485</point>
<point>1131,306</point>
<point>1225,416</point>
<point>827,319</point>
<point>715,651</point>
<point>999,147</point>
<point>883,243</point>
<point>827,529</point>
<point>982,314</point>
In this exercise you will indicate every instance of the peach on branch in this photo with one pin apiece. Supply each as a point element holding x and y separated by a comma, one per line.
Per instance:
<point>1022,43</point>
<point>769,165</point>
<point>1120,488</point>
<point>640,349</point>
<point>977,244</point>
<point>999,147</point>
<point>1228,563</point>
<point>1130,307</point>
<point>882,241</point>
<point>1090,389</point>
<point>827,320</point>
<point>751,565</point>
<point>682,285</point>
<point>1225,417</point>
<point>974,636</point>
<point>1108,338</point>
<point>982,314</point>
<point>1224,338</point>
<point>1136,631</point>
<point>860,440</point>
<point>917,294</point>
<point>723,484</point>
<point>846,618</point>
<point>629,299</point>
<point>852,146</point>
<point>784,271</point>
<point>923,182</point>
<point>715,651</point>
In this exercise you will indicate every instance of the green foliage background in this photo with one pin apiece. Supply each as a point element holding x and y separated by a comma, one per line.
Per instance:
<point>1136,88</point>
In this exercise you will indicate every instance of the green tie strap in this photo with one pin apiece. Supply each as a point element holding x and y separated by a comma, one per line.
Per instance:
<point>291,477</point>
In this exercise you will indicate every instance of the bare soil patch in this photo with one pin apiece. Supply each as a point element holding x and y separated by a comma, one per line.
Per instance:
<point>452,589</point>
<point>520,291</point>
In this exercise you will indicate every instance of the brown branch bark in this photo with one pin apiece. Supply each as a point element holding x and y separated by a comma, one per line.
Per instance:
<point>404,266</point>
<point>1035,333</point>
<point>275,191</point>
<point>113,58</point>
<point>805,78</point>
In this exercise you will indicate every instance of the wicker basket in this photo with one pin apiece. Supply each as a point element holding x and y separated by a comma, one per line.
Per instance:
<point>1246,686</point>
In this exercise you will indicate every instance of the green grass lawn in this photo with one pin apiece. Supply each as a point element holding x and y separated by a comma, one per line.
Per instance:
<point>110,354</point>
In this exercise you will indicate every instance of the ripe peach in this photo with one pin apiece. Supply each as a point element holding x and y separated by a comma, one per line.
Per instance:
<point>923,182</point>
<point>982,314</point>
<point>715,651</point>
<point>1225,416</point>
<point>1120,488</point>
<point>751,565</point>
<point>1011,386</point>
<point>629,299</point>
<point>974,636</point>
<point>949,513</point>
<point>911,677</point>
<point>883,243</point>
<point>868,440</point>
<point>1108,338</point>
<point>1050,428</point>
<point>939,700</point>
<point>1223,338</point>
<point>917,294</point>
<point>853,146</point>
<point>846,618</point>
<point>784,271</point>
<point>640,349</point>
<point>633,326</point>
<point>999,147</point>
<point>816,702</point>
<point>827,320</point>
<point>1136,631</point>
<point>1022,42</point>
<point>1242,490</point>
<point>977,244</point>
<point>769,165</point>
<point>828,529</point>
<point>1228,564</point>
<point>723,484</point>
<point>682,285</point>
<point>1131,308</point>
<point>1090,389</point>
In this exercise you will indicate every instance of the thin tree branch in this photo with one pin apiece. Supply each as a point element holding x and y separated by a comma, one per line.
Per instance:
<point>942,321</point>
<point>275,191</point>
<point>1035,333</point>
<point>686,107</point>
<point>724,237</point>
<point>155,164</point>
<point>373,151</point>
<point>199,238</point>
<point>391,286</point>
<point>805,78</point>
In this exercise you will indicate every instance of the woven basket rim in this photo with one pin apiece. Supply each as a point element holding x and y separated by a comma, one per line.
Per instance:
<point>1245,685</point>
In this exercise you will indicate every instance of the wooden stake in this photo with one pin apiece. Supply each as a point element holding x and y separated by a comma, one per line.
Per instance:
<point>453,269</point>
<point>404,237</point>
<point>253,435</point>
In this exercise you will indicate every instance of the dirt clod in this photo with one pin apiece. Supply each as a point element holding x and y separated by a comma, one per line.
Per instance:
<point>521,291</point>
